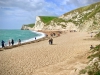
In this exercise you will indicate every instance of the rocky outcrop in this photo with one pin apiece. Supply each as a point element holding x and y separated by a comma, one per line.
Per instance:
<point>25,27</point>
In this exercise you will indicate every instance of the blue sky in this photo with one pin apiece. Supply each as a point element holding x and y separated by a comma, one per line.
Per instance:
<point>15,13</point>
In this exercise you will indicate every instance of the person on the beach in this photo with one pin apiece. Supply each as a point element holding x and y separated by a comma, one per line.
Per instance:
<point>51,34</point>
<point>12,42</point>
<point>91,47</point>
<point>91,34</point>
<point>35,38</point>
<point>51,41</point>
<point>3,44</point>
<point>46,35</point>
<point>19,42</point>
<point>58,34</point>
<point>9,42</point>
<point>54,34</point>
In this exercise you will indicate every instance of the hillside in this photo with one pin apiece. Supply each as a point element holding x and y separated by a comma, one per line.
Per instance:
<point>86,18</point>
<point>39,20</point>
<point>27,27</point>
<point>46,19</point>
<point>83,19</point>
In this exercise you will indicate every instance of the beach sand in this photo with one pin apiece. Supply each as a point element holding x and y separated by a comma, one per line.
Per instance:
<point>61,58</point>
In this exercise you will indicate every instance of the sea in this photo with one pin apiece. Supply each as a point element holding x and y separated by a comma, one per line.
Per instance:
<point>24,35</point>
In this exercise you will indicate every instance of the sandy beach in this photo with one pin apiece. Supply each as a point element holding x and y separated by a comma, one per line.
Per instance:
<point>61,58</point>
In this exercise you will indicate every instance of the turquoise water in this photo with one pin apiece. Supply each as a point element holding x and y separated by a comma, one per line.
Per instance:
<point>24,35</point>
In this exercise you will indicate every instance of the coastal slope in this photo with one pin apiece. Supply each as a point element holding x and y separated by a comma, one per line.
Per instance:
<point>86,18</point>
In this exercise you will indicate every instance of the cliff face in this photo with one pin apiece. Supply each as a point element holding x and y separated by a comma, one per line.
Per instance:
<point>82,19</point>
<point>38,24</point>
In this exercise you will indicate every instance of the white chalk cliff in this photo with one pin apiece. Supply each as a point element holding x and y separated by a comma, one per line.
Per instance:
<point>38,24</point>
<point>82,19</point>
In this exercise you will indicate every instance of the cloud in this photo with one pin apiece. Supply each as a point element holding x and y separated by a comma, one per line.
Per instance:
<point>25,11</point>
<point>77,2</point>
<point>29,5</point>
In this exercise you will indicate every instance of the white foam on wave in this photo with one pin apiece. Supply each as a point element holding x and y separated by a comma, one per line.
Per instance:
<point>37,37</point>
<point>32,39</point>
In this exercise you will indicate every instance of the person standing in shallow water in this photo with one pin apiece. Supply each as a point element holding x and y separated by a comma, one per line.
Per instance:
<point>19,42</point>
<point>12,42</point>
<point>35,38</point>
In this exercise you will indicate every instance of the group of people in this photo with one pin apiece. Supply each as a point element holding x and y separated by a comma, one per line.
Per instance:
<point>10,42</point>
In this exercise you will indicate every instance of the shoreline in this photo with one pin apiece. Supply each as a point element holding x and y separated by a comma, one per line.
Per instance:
<point>24,42</point>
<point>65,55</point>
<point>43,36</point>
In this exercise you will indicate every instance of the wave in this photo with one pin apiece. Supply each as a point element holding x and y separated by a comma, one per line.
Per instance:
<point>41,35</point>
<point>38,37</point>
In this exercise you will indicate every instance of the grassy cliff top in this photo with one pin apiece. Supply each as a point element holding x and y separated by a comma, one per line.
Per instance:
<point>46,19</point>
<point>30,25</point>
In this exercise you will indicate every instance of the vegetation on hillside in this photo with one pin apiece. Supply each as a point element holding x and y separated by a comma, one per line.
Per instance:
<point>97,36</point>
<point>87,16</point>
<point>80,17</point>
<point>85,8</point>
<point>46,19</point>
<point>30,25</point>
<point>95,8</point>
<point>93,67</point>
<point>57,21</point>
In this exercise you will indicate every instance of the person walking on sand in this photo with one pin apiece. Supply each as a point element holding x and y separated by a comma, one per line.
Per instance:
<point>3,44</point>
<point>51,41</point>
<point>91,34</point>
<point>12,42</point>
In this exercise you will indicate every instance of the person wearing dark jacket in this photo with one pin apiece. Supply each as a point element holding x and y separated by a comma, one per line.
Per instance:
<point>12,42</point>
<point>3,44</point>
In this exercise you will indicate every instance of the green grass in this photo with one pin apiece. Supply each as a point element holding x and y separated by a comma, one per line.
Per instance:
<point>57,21</point>
<point>30,25</point>
<point>97,36</point>
<point>46,19</point>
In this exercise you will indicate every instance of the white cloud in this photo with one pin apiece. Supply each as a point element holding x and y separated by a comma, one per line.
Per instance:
<point>27,10</point>
<point>30,5</point>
